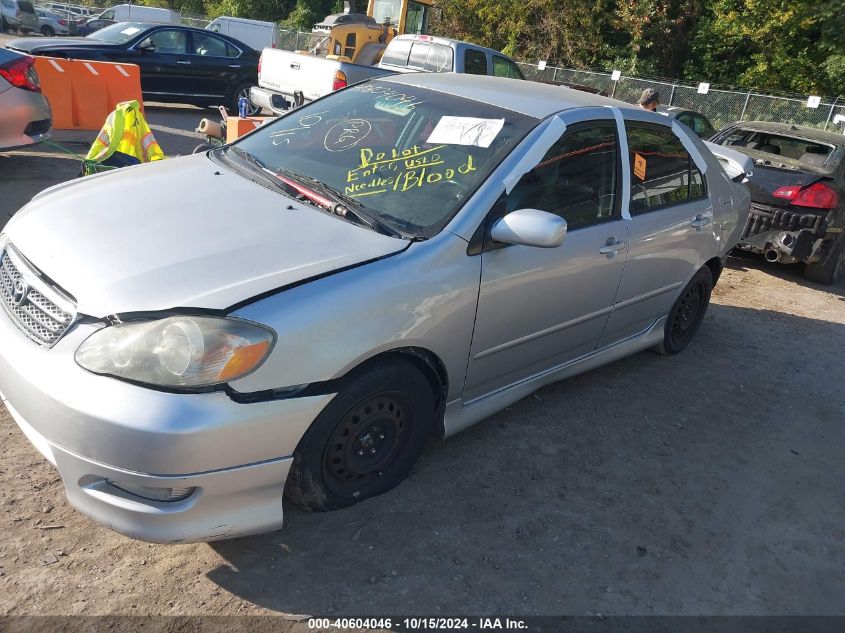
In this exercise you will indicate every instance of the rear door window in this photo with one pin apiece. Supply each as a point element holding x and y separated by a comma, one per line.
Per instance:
<point>662,172</point>
<point>475,62</point>
<point>209,45</point>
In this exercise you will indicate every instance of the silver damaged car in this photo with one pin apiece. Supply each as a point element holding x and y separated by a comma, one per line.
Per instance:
<point>300,311</point>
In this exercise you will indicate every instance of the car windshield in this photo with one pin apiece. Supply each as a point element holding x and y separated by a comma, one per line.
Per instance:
<point>410,156</point>
<point>119,33</point>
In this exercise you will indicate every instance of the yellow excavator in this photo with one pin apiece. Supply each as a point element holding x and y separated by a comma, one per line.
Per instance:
<point>361,38</point>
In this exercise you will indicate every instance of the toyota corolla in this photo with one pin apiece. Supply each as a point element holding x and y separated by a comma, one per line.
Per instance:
<point>298,312</point>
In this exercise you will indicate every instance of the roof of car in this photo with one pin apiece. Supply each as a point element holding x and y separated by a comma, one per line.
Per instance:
<point>526,97</point>
<point>790,129</point>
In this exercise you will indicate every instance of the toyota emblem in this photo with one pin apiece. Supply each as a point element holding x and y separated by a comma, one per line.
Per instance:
<point>19,292</point>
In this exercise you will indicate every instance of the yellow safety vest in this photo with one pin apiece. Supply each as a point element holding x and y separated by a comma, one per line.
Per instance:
<point>126,131</point>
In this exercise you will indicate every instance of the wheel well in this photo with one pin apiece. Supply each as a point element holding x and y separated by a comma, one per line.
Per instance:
<point>715,265</point>
<point>429,365</point>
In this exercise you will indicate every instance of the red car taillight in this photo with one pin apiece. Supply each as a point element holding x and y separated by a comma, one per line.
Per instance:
<point>259,63</point>
<point>816,196</point>
<point>63,22</point>
<point>21,73</point>
<point>339,80</point>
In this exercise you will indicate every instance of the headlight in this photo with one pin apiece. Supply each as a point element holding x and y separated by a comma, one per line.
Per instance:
<point>180,351</point>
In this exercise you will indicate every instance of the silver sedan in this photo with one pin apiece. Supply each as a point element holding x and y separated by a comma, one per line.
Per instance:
<point>302,310</point>
<point>25,116</point>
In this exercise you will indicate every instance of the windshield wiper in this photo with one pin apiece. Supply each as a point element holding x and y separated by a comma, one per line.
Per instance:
<point>344,206</point>
<point>260,168</point>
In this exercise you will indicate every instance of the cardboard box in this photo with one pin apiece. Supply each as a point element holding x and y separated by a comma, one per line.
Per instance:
<point>236,127</point>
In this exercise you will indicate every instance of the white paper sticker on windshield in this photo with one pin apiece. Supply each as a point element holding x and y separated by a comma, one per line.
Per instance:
<point>130,30</point>
<point>463,130</point>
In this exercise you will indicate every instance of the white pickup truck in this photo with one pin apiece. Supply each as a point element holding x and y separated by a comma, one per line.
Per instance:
<point>287,79</point>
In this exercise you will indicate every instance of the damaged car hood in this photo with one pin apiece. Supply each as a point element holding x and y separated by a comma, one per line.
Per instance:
<point>182,232</point>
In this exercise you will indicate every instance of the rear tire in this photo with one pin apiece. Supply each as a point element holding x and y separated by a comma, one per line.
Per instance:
<point>242,90</point>
<point>687,313</point>
<point>47,31</point>
<point>831,268</point>
<point>365,441</point>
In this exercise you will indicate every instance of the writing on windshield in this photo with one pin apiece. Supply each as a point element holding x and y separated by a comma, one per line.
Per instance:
<point>375,142</point>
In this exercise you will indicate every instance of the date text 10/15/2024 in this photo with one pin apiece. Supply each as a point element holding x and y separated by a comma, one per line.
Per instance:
<point>418,624</point>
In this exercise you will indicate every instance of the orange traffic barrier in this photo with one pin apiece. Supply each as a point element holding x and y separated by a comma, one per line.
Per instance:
<point>83,93</point>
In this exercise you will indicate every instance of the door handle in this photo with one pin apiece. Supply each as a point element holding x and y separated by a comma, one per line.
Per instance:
<point>701,220</point>
<point>183,61</point>
<point>611,247</point>
<point>234,65</point>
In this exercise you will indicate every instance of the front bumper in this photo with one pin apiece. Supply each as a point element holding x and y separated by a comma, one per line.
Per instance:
<point>95,428</point>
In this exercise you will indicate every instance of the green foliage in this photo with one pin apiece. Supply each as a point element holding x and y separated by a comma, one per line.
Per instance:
<point>788,45</point>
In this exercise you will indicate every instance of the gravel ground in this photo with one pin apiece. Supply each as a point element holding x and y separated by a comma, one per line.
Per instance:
<point>705,483</point>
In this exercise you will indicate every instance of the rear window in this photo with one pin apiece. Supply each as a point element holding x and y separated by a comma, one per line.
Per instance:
<point>419,52</point>
<point>397,53</point>
<point>802,150</point>
<point>439,59</point>
<point>26,6</point>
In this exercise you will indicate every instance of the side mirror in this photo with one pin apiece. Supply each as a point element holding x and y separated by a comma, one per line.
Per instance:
<point>146,46</point>
<point>530,227</point>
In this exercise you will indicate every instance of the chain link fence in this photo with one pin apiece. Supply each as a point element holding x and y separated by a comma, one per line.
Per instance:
<point>719,105</point>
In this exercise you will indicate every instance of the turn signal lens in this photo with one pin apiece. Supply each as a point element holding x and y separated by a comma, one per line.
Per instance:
<point>177,352</point>
<point>339,80</point>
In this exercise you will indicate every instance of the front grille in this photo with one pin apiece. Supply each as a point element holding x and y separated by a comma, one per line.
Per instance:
<point>41,312</point>
<point>763,218</point>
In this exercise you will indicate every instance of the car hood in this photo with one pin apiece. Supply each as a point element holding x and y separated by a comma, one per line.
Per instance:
<point>182,232</point>
<point>43,44</point>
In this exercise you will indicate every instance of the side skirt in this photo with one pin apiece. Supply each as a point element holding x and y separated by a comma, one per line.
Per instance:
<point>460,415</point>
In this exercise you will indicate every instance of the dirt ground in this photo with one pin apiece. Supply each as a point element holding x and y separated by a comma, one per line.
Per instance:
<point>706,483</point>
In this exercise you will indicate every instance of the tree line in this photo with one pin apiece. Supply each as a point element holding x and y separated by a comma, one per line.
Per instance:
<point>780,45</point>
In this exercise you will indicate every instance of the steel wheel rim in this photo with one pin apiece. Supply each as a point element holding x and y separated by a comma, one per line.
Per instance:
<point>366,442</point>
<point>688,314</point>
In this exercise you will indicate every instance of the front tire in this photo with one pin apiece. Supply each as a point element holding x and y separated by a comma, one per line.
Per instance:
<point>831,268</point>
<point>687,313</point>
<point>365,441</point>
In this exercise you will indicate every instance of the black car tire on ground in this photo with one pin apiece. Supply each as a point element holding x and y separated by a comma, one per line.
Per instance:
<point>687,313</point>
<point>365,441</point>
<point>242,90</point>
<point>828,270</point>
<point>47,31</point>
